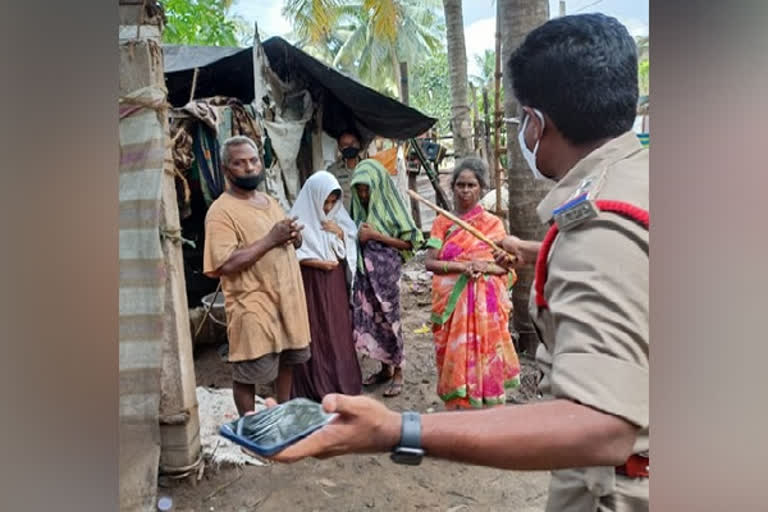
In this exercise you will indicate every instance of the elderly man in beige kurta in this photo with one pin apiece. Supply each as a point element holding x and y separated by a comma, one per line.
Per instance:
<point>267,320</point>
<point>266,311</point>
<point>594,327</point>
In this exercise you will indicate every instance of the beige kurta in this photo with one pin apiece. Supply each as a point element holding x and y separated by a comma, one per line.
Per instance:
<point>265,305</point>
<point>595,332</point>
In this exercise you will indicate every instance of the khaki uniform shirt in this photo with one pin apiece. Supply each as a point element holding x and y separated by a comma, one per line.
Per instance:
<point>344,175</point>
<point>595,333</point>
<point>265,304</point>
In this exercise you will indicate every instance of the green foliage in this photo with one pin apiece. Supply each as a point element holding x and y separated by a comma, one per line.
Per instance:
<point>643,65</point>
<point>368,39</point>
<point>644,77</point>
<point>203,22</point>
<point>312,20</point>
<point>430,89</point>
<point>487,64</point>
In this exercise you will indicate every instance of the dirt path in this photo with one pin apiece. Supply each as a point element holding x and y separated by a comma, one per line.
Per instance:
<point>355,483</point>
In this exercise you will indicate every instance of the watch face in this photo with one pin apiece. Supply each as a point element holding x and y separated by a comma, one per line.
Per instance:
<point>410,456</point>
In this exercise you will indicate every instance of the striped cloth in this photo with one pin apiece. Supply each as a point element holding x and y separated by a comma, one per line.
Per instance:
<point>142,282</point>
<point>386,212</point>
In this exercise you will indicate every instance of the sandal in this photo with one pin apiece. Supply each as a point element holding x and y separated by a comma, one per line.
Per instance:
<point>394,389</point>
<point>379,377</point>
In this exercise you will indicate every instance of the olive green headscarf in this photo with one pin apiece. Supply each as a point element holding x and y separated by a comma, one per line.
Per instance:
<point>386,212</point>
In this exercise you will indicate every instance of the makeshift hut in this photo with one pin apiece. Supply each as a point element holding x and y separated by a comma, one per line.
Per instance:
<point>291,104</point>
<point>274,93</point>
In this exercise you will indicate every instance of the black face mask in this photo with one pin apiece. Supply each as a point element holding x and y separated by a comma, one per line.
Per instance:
<point>350,153</point>
<point>250,182</point>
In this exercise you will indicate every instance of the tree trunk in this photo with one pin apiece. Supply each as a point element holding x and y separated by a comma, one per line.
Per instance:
<point>396,69</point>
<point>457,65</point>
<point>518,17</point>
<point>404,178</point>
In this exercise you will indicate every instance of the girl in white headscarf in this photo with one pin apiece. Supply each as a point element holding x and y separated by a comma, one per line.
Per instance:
<point>328,261</point>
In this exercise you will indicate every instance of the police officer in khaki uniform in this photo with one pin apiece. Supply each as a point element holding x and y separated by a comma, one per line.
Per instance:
<point>589,305</point>
<point>575,78</point>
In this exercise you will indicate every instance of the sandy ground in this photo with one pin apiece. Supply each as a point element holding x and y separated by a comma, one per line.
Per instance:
<point>354,483</point>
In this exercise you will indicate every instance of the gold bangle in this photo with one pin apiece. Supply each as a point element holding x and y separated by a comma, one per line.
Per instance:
<point>445,268</point>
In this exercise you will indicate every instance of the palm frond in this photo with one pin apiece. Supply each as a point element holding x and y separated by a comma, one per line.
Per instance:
<point>313,19</point>
<point>352,47</point>
<point>384,17</point>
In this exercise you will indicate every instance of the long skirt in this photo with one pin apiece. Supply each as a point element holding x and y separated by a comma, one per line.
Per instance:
<point>376,305</point>
<point>333,367</point>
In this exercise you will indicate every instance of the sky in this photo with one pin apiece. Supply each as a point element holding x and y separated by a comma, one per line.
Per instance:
<point>479,19</point>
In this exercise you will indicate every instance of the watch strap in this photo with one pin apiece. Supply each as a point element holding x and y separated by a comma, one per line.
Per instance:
<point>410,432</point>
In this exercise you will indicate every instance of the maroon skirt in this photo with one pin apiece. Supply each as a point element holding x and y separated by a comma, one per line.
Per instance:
<point>333,366</point>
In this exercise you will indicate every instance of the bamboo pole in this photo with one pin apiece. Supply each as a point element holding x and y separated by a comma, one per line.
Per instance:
<point>412,177</point>
<point>194,85</point>
<point>476,116</point>
<point>497,116</point>
<point>487,133</point>
<point>464,225</point>
<point>207,312</point>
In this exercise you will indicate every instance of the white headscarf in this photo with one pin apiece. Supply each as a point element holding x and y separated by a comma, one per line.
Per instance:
<point>318,243</point>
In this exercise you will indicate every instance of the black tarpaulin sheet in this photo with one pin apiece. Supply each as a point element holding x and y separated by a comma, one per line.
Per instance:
<point>346,103</point>
<point>221,72</point>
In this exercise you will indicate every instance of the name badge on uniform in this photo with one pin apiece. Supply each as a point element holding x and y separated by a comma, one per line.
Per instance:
<point>574,212</point>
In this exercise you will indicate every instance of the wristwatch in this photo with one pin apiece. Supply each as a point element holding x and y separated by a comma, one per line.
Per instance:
<point>409,451</point>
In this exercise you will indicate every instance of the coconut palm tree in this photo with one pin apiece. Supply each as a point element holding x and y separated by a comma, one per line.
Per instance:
<point>486,62</point>
<point>368,39</point>
<point>518,17</point>
<point>312,20</point>
<point>461,125</point>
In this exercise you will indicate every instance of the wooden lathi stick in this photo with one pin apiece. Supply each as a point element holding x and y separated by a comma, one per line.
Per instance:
<point>467,227</point>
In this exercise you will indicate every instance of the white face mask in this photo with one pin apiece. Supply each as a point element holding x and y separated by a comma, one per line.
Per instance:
<point>530,156</point>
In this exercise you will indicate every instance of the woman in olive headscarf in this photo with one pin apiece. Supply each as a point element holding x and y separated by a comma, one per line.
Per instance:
<point>387,235</point>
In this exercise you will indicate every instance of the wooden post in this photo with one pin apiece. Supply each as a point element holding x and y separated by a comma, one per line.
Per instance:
<point>412,177</point>
<point>489,155</point>
<point>156,366</point>
<point>317,141</point>
<point>475,119</point>
<point>260,83</point>
<point>179,419</point>
<point>497,117</point>
<point>415,211</point>
<point>404,82</point>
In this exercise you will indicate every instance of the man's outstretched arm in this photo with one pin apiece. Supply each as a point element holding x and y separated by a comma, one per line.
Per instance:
<point>543,436</point>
